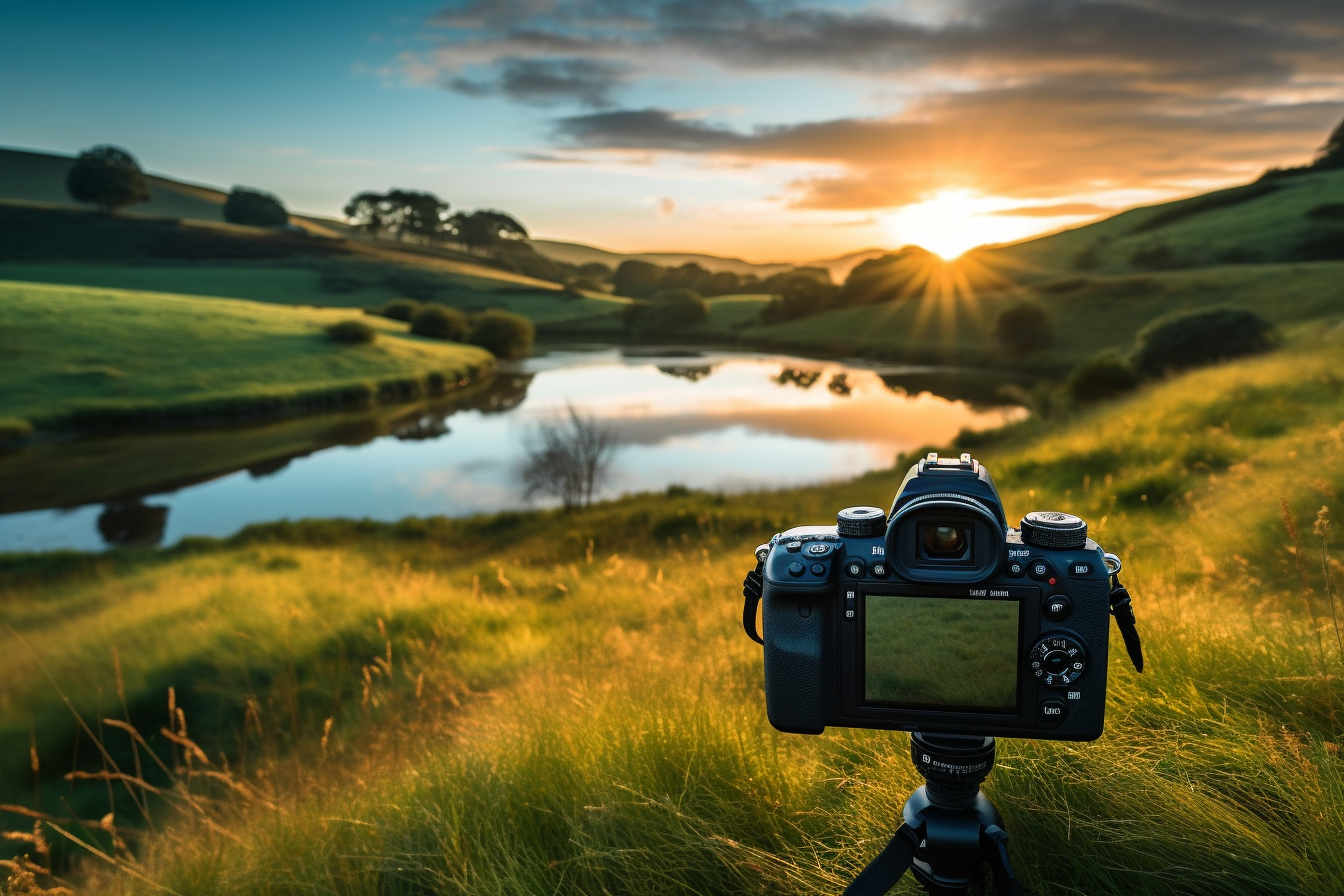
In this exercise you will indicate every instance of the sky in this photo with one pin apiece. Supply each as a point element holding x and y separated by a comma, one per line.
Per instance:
<point>771,130</point>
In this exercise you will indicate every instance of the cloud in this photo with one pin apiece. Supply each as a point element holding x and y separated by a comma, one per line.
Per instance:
<point>666,206</point>
<point>1030,98</point>
<point>548,81</point>
<point>1059,210</point>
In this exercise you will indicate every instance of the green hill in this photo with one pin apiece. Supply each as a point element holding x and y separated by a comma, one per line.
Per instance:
<point>1276,219</point>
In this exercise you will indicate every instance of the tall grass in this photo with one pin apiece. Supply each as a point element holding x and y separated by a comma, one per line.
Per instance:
<point>599,723</point>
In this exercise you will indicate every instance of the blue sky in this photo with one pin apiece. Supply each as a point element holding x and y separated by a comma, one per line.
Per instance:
<point>771,130</point>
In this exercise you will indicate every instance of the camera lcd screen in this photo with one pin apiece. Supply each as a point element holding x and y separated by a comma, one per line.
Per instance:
<point>941,653</point>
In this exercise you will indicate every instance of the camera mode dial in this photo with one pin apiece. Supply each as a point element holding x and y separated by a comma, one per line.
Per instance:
<point>861,522</point>
<point>1052,529</point>
<point>1058,660</point>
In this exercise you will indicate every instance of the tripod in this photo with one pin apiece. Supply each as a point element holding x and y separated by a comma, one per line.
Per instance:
<point>948,825</point>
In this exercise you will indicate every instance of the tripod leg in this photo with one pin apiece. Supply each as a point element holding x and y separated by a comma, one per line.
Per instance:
<point>994,846</point>
<point>883,871</point>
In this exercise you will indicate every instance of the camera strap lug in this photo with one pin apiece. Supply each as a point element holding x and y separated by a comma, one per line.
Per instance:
<point>1122,608</point>
<point>752,586</point>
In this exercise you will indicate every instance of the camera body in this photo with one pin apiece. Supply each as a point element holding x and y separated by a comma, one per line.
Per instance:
<point>937,616</point>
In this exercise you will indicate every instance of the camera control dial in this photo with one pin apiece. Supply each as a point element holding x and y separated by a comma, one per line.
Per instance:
<point>861,522</point>
<point>1057,660</point>
<point>1052,529</point>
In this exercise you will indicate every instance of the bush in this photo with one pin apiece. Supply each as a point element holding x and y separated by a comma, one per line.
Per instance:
<point>400,309</point>
<point>13,429</point>
<point>438,322</point>
<point>254,208</point>
<point>352,332</point>
<point>1193,338</point>
<point>670,309</point>
<point>503,334</point>
<point>1023,328</point>
<point>1104,376</point>
<point>107,176</point>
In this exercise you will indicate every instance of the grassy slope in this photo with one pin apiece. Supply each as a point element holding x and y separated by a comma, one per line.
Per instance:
<point>623,747</point>
<point>301,285</point>
<point>77,351</point>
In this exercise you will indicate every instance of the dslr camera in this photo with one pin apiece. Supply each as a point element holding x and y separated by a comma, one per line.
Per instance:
<point>938,617</point>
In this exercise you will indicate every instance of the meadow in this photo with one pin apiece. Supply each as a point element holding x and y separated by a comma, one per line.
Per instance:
<point>566,703</point>
<point>84,356</point>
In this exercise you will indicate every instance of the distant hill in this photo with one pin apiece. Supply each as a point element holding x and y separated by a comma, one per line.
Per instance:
<point>578,253</point>
<point>39,177</point>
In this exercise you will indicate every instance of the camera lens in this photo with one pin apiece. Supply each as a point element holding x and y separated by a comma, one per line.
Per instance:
<point>944,541</point>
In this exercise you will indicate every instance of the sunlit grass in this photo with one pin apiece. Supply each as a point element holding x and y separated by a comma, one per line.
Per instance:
<point>598,723</point>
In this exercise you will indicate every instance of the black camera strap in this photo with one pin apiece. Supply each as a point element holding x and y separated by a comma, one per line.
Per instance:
<point>751,591</point>
<point>1122,608</point>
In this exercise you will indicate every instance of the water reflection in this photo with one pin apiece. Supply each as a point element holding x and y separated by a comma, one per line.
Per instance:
<point>719,421</point>
<point>131,524</point>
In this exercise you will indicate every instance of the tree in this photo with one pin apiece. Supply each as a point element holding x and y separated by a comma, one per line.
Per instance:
<point>108,177</point>
<point>485,229</point>
<point>1193,338</point>
<point>400,213</point>
<point>1022,328</point>
<point>569,459</point>
<point>254,208</point>
<point>503,334</point>
<point>637,279</point>
<point>369,212</point>
<point>669,309</point>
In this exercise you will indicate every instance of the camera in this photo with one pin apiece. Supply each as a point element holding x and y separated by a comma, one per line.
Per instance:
<point>938,617</point>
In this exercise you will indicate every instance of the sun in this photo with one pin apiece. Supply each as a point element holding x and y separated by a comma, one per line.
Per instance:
<point>954,220</point>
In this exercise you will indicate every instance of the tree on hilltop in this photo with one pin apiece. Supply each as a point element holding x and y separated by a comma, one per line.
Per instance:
<point>399,213</point>
<point>255,208</point>
<point>108,177</point>
<point>485,229</point>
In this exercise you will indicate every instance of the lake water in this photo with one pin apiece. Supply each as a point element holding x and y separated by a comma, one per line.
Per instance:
<point>720,421</point>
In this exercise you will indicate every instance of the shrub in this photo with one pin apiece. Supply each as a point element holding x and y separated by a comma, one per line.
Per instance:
<point>107,176</point>
<point>438,322</point>
<point>1193,338</point>
<point>12,429</point>
<point>254,208</point>
<point>400,309</point>
<point>503,334</point>
<point>1022,328</point>
<point>1100,378</point>
<point>352,332</point>
<point>670,309</point>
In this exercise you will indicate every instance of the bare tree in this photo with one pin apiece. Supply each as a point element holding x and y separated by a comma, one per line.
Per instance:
<point>569,458</point>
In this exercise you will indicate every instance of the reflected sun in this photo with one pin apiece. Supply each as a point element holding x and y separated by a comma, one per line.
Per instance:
<point>952,221</point>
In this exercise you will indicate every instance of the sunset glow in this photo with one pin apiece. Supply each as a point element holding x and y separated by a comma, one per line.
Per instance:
<point>952,221</point>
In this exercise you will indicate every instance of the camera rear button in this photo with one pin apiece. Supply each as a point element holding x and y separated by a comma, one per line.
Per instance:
<point>1053,712</point>
<point>879,570</point>
<point>794,547</point>
<point>818,569</point>
<point>818,549</point>
<point>1058,607</point>
<point>796,569</point>
<point>1016,568</point>
<point>855,568</point>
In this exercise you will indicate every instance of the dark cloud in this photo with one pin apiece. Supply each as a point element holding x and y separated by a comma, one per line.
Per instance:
<point>645,129</point>
<point>549,81</point>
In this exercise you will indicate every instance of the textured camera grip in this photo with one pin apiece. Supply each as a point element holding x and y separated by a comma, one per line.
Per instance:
<point>794,629</point>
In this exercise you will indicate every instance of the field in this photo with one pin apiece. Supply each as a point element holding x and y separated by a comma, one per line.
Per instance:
<point>566,702</point>
<point>80,355</point>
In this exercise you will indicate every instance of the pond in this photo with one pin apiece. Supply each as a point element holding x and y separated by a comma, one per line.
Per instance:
<point>721,421</point>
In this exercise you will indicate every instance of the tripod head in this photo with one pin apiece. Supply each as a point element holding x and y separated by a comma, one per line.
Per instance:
<point>949,825</point>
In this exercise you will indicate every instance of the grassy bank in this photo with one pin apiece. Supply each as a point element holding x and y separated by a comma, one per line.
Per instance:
<point>89,357</point>
<point>566,703</point>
